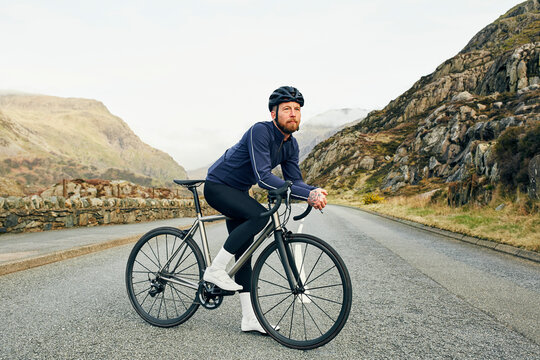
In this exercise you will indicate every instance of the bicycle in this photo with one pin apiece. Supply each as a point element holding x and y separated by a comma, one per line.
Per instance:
<point>299,282</point>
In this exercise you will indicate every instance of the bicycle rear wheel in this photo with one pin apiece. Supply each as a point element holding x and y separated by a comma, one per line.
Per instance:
<point>162,274</point>
<point>311,316</point>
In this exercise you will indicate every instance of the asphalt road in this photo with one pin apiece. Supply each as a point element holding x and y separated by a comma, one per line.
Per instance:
<point>416,295</point>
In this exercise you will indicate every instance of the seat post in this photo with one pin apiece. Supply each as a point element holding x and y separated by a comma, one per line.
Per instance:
<point>193,189</point>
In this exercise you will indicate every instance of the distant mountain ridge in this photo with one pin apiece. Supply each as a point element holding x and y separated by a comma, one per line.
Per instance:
<point>320,127</point>
<point>46,138</point>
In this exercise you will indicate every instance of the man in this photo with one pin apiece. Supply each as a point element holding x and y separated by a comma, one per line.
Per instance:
<point>264,146</point>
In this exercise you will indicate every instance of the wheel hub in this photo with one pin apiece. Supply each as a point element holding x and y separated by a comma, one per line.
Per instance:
<point>156,286</point>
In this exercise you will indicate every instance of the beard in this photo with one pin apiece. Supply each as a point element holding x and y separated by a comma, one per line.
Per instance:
<point>289,127</point>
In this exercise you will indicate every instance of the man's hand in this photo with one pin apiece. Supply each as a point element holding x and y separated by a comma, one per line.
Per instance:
<point>317,198</point>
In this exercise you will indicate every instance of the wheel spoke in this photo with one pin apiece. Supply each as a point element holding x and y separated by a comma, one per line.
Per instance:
<point>324,287</point>
<point>286,311</point>
<point>157,250</point>
<point>140,292</point>
<point>153,252</point>
<point>304,321</point>
<point>150,271</point>
<point>279,303</point>
<point>184,269</point>
<point>314,266</point>
<point>164,304</point>
<point>166,246</point>
<point>146,297</point>
<point>140,281</point>
<point>312,280</point>
<point>151,307</point>
<point>325,299</point>
<point>312,319</point>
<point>277,272</point>
<point>153,262</point>
<point>277,285</point>
<point>178,262</point>
<point>317,305</point>
<point>179,293</point>
<point>274,294</point>
<point>173,301</point>
<point>292,316</point>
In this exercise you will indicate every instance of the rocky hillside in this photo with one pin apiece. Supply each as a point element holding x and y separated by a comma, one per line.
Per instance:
<point>445,129</point>
<point>44,139</point>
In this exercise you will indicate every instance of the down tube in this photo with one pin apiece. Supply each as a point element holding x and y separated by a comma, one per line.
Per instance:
<point>249,252</point>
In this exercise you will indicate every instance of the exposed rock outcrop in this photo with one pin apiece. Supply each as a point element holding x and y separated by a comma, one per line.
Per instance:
<point>445,127</point>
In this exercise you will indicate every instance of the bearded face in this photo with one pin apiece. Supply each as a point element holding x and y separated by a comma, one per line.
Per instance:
<point>288,117</point>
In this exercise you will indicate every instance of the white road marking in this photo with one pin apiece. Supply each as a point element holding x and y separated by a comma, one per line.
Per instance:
<point>299,265</point>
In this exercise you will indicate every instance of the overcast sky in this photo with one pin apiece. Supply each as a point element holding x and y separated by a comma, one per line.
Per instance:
<point>189,77</point>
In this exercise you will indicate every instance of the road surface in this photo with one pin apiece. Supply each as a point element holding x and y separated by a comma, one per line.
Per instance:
<point>415,295</point>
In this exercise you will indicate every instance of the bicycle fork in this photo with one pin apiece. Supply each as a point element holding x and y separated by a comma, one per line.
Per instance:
<point>288,259</point>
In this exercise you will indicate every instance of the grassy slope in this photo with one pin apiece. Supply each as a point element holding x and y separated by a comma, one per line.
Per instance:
<point>74,136</point>
<point>514,225</point>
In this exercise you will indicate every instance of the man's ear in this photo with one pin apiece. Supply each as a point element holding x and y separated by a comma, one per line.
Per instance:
<point>273,114</point>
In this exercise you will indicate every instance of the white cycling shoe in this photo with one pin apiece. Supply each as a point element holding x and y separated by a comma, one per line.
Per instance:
<point>220,278</point>
<point>252,324</point>
<point>249,320</point>
<point>217,275</point>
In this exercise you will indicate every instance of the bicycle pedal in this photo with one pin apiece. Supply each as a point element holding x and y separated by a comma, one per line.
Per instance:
<point>220,292</point>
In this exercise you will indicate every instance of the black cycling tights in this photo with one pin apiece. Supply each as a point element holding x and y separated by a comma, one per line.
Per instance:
<point>246,223</point>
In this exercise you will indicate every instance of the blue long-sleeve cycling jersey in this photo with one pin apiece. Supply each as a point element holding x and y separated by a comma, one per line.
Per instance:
<point>252,159</point>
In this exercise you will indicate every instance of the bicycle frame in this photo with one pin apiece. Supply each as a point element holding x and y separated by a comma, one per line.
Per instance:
<point>274,226</point>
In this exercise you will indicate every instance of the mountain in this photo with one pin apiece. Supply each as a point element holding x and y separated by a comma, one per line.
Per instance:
<point>44,139</point>
<point>320,127</point>
<point>449,127</point>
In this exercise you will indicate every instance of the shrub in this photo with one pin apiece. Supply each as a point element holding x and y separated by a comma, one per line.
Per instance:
<point>515,147</point>
<point>371,198</point>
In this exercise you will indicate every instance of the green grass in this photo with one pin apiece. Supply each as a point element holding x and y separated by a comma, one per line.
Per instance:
<point>472,221</point>
<point>420,211</point>
<point>511,228</point>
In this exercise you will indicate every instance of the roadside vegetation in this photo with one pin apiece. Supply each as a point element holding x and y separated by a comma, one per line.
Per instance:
<point>506,219</point>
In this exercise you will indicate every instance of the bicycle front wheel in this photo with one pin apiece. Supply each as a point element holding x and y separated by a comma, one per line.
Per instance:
<point>162,276</point>
<point>309,316</point>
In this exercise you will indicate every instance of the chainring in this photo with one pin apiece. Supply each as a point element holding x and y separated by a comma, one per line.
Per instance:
<point>208,296</point>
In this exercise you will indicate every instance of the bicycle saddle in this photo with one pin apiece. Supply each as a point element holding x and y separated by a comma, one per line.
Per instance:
<point>189,182</point>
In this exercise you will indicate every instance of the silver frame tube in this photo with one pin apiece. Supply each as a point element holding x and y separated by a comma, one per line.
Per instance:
<point>274,225</point>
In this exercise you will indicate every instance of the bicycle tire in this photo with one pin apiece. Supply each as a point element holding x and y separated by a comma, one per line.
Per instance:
<point>321,311</point>
<point>172,304</point>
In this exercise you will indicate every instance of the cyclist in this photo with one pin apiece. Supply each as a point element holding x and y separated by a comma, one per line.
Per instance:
<point>264,146</point>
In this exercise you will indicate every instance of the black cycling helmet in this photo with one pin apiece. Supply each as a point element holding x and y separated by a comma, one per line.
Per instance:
<point>285,94</point>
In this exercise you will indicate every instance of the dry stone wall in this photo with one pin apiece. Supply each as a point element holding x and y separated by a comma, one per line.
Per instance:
<point>36,213</point>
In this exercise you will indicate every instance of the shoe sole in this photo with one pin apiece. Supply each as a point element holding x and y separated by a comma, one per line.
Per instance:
<point>223,288</point>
